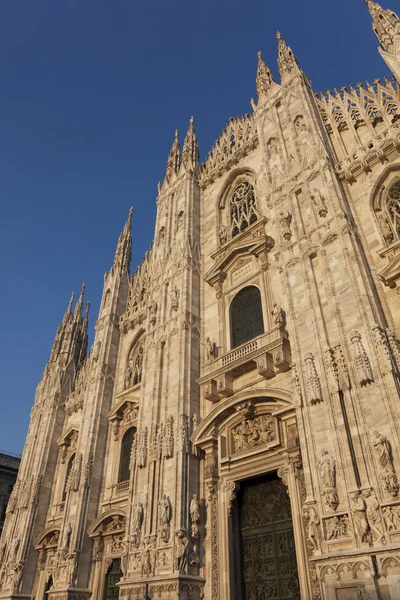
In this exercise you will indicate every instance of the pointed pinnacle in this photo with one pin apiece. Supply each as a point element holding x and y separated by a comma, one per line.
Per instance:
<point>71,300</point>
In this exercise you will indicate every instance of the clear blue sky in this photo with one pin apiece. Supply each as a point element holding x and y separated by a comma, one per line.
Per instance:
<point>91,93</point>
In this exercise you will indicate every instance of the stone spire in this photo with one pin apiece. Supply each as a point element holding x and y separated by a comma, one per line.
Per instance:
<point>79,304</point>
<point>386,25</point>
<point>190,153</point>
<point>287,62</point>
<point>72,334</point>
<point>264,79</point>
<point>123,253</point>
<point>174,157</point>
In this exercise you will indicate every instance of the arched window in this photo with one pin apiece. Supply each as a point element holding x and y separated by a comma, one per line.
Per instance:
<point>67,475</point>
<point>246,316</point>
<point>242,205</point>
<point>48,587</point>
<point>125,457</point>
<point>393,208</point>
<point>133,373</point>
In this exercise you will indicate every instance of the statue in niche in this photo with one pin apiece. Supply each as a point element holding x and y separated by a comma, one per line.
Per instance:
<point>210,349</point>
<point>372,514</point>
<point>359,508</point>
<point>165,517</point>
<point>137,523</point>
<point>14,549</point>
<point>153,312</point>
<point>66,540</point>
<point>175,299</point>
<point>181,550</point>
<point>195,509</point>
<point>128,376</point>
<point>319,203</point>
<point>146,563</point>
<point>327,469</point>
<point>385,229</point>
<point>277,315</point>
<point>285,219</point>
<point>313,533</point>
<point>385,458</point>
<point>223,234</point>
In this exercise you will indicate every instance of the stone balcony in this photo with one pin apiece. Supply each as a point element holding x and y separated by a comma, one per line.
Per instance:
<point>268,353</point>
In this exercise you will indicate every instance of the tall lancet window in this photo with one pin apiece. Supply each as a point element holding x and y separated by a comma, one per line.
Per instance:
<point>393,208</point>
<point>242,206</point>
<point>125,457</point>
<point>246,316</point>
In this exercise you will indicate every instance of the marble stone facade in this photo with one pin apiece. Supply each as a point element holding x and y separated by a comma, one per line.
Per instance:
<point>139,453</point>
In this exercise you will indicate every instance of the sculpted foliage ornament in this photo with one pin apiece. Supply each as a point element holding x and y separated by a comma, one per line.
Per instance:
<point>313,384</point>
<point>361,361</point>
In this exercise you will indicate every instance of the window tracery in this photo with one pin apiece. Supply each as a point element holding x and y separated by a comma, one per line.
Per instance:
<point>242,207</point>
<point>133,373</point>
<point>392,212</point>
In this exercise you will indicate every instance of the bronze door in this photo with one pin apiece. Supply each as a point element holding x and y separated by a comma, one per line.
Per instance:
<point>269,568</point>
<point>114,574</point>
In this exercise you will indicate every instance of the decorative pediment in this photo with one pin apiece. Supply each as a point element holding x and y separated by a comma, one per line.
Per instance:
<point>123,414</point>
<point>390,275</point>
<point>48,538</point>
<point>248,244</point>
<point>110,522</point>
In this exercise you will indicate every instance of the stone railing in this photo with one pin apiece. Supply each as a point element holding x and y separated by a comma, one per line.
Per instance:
<point>240,352</point>
<point>122,488</point>
<point>267,354</point>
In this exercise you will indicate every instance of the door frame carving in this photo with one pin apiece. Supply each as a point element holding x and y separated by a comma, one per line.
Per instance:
<point>224,470</point>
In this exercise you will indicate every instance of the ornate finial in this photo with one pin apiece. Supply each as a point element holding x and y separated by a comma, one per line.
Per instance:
<point>130,213</point>
<point>71,300</point>
<point>87,310</point>
<point>264,79</point>
<point>286,61</point>
<point>278,35</point>
<point>190,146</point>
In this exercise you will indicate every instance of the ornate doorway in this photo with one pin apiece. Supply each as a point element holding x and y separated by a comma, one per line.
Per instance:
<point>114,574</point>
<point>268,556</point>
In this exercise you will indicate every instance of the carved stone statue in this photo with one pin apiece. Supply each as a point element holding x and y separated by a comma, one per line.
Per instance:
<point>359,508</point>
<point>165,517</point>
<point>195,509</point>
<point>210,349</point>
<point>319,202</point>
<point>327,469</point>
<point>373,516</point>
<point>175,299</point>
<point>14,549</point>
<point>277,315</point>
<point>285,219</point>
<point>137,523</point>
<point>313,532</point>
<point>128,376</point>
<point>153,312</point>
<point>385,229</point>
<point>146,563</point>
<point>181,550</point>
<point>66,540</point>
<point>223,234</point>
<point>384,453</point>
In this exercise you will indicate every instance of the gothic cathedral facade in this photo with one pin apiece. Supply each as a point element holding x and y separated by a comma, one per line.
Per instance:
<point>234,431</point>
